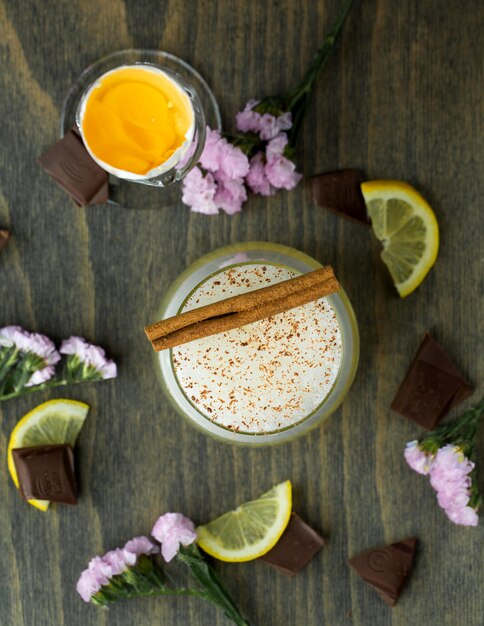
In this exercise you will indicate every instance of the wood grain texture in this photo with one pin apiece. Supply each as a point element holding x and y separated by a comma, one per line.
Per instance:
<point>401,98</point>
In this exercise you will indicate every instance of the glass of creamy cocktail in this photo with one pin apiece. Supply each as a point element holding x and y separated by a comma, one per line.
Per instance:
<point>269,381</point>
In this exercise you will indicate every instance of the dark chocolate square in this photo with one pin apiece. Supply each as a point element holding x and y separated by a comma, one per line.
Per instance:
<point>297,546</point>
<point>341,192</point>
<point>387,568</point>
<point>46,473</point>
<point>73,168</point>
<point>432,386</point>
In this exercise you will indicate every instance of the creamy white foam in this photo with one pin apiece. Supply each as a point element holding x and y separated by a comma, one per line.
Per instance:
<point>267,375</point>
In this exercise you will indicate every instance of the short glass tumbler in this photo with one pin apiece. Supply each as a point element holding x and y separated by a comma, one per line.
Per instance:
<point>277,258</point>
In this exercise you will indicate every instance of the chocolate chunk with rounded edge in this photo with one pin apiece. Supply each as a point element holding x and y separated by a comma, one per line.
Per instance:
<point>432,386</point>
<point>296,547</point>
<point>387,568</point>
<point>341,192</point>
<point>46,473</point>
<point>73,169</point>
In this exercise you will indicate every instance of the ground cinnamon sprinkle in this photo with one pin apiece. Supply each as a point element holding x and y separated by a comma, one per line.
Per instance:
<point>266,375</point>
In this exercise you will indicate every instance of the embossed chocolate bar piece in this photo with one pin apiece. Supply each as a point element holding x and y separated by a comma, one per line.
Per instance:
<point>387,568</point>
<point>73,169</point>
<point>4,237</point>
<point>46,473</point>
<point>341,192</point>
<point>432,387</point>
<point>297,546</point>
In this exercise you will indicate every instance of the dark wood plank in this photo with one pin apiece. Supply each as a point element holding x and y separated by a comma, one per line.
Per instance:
<point>401,98</point>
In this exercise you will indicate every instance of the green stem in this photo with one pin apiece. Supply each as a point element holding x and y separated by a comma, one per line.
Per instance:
<point>47,385</point>
<point>10,358</point>
<point>297,100</point>
<point>467,423</point>
<point>213,590</point>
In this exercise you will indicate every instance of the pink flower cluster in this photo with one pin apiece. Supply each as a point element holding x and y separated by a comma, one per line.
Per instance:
<point>101,569</point>
<point>271,170</point>
<point>219,182</point>
<point>32,343</point>
<point>449,471</point>
<point>267,126</point>
<point>221,185</point>
<point>418,460</point>
<point>173,530</point>
<point>90,355</point>
<point>449,476</point>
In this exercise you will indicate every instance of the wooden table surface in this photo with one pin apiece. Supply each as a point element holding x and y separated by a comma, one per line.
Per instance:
<point>400,98</point>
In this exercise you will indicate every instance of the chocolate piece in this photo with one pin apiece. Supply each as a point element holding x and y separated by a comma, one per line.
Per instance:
<point>46,473</point>
<point>387,568</point>
<point>73,169</point>
<point>4,237</point>
<point>341,192</point>
<point>297,546</point>
<point>432,387</point>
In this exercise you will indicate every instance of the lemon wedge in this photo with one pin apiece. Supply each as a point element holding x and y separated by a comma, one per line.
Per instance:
<point>407,227</point>
<point>251,530</point>
<point>53,422</point>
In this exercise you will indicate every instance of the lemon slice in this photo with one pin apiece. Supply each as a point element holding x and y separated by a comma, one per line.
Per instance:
<point>251,530</point>
<point>406,225</point>
<point>53,422</point>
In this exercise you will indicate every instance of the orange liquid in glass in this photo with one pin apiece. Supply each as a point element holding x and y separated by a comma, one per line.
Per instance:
<point>135,119</point>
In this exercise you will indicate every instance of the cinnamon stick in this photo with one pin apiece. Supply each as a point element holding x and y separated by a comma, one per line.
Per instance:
<point>243,309</point>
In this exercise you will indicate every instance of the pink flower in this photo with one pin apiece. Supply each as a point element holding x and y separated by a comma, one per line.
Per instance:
<point>450,466</point>
<point>38,344</point>
<point>199,192</point>
<point>222,158</point>
<point>91,355</point>
<point>233,163</point>
<point>267,126</point>
<point>87,586</point>
<point>210,157</point>
<point>256,177</point>
<point>270,126</point>
<point>280,171</point>
<point>276,146</point>
<point>173,530</point>
<point>141,545</point>
<point>75,345</point>
<point>465,516</point>
<point>230,195</point>
<point>116,561</point>
<point>248,119</point>
<point>418,460</point>
<point>450,477</point>
<point>101,569</point>
<point>41,376</point>
<point>93,578</point>
<point>96,357</point>
<point>10,335</point>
